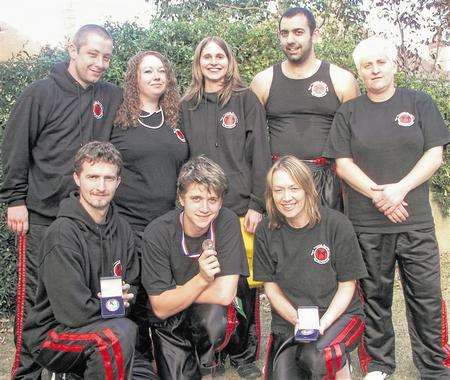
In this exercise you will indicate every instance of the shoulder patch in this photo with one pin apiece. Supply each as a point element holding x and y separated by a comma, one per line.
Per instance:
<point>318,89</point>
<point>321,254</point>
<point>405,119</point>
<point>229,120</point>
<point>117,268</point>
<point>179,134</point>
<point>97,109</point>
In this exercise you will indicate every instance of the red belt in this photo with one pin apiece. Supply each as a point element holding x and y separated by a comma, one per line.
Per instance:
<point>320,161</point>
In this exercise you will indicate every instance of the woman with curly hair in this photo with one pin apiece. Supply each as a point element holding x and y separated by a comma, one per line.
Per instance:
<point>153,148</point>
<point>224,120</point>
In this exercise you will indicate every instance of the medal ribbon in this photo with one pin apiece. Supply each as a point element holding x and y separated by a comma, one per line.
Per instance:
<point>211,235</point>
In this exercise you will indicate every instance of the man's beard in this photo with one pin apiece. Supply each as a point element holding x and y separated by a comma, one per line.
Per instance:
<point>305,54</point>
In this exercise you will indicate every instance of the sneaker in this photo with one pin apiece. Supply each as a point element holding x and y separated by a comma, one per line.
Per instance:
<point>248,371</point>
<point>376,375</point>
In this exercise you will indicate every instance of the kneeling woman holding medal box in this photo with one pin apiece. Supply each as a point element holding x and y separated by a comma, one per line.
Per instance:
<point>309,260</point>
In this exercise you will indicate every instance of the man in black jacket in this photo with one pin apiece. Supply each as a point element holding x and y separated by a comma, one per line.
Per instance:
<point>87,241</point>
<point>49,122</point>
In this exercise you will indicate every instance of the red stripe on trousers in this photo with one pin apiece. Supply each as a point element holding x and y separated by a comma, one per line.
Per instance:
<point>444,333</point>
<point>338,360</point>
<point>117,349</point>
<point>257,324</point>
<point>357,334</point>
<point>93,337</point>
<point>62,347</point>
<point>356,327</point>
<point>348,327</point>
<point>329,361</point>
<point>363,356</point>
<point>266,357</point>
<point>232,323</point>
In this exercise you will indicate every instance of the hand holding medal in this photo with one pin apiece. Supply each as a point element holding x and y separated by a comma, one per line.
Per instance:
<point>208,263</point>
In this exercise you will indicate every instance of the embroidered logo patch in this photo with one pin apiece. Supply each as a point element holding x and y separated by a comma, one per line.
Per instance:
<point>405,119</point>
<point>97,110</point>
<point>321,254</point>
<point>229,120</point>
<point>318,89</point>
<point>117,268</point>
<point>179,134</point>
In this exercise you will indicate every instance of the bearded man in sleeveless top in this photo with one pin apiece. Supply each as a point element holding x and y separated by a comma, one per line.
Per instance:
<point>301,95</point>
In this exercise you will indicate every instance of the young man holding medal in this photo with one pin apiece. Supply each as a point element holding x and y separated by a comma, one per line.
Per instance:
<point>191,263</point>
<point>87,277</point>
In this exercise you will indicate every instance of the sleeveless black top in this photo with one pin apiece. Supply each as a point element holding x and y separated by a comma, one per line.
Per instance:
<point>300,112</point>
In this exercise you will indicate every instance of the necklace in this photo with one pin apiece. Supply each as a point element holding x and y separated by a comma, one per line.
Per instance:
<point>150,114</point>
<point>211,235</point>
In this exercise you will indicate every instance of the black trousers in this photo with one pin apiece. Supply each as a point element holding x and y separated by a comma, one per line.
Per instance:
<point>328,185</point>
<point>287,359</point>
<point>243,347</point>
<point>140,313</point>
<point>186,343</point>
<point>417,255</point>
<point>28,369</point>
<point>99,351</point>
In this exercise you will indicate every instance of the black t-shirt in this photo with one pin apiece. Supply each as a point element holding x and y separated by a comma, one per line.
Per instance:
<point>164,262</point>
<point>386,140</point>
<point>152,159</point>
<point>300,112</point>
<point>307,263</point>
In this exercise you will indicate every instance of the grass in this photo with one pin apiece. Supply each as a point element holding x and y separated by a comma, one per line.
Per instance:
<point>405,368</point>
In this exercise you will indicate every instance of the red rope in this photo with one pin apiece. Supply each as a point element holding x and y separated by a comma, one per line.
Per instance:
<point>232,324</point>
<point>258,323</point>
<point>20,300</point>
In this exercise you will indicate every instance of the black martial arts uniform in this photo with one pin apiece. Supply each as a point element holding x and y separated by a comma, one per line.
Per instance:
<point>66,331</point>
<point>299,116</point>
<point>386,139</point>
<point>307,264</point>
<point>51,119</point>
<point>185,343</point>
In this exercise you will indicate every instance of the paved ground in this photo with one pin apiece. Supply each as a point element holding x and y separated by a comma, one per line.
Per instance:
<point>405,368</point>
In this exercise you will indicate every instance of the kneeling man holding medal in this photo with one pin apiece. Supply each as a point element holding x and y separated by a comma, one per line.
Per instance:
<point>87,277</point>
<point>191,262</point>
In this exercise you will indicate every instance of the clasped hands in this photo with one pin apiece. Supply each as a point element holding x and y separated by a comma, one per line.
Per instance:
<point>389,200</point>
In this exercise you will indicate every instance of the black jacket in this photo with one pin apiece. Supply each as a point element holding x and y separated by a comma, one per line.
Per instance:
<point>75,253</point>
<point>235,137</point>
<point>49,122</point>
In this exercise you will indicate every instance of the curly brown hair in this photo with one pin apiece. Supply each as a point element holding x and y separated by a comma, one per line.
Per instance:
<point>128,112</point>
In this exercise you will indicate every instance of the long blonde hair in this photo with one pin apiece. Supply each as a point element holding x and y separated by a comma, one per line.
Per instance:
<point>302,176</point>
<point>232,82</point>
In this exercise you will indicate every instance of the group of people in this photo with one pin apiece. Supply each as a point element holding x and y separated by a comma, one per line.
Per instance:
<point>195,201</point>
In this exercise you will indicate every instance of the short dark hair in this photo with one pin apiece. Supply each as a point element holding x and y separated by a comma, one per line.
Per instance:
<point>80,37</point>
<point>202,171</point>
<point>96,151</point>
<point>294,11</point>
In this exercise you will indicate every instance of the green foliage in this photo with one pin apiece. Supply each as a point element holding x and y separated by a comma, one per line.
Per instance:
<point>252,34</point>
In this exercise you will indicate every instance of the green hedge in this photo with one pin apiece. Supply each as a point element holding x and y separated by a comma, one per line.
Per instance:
<point>256,46</point>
